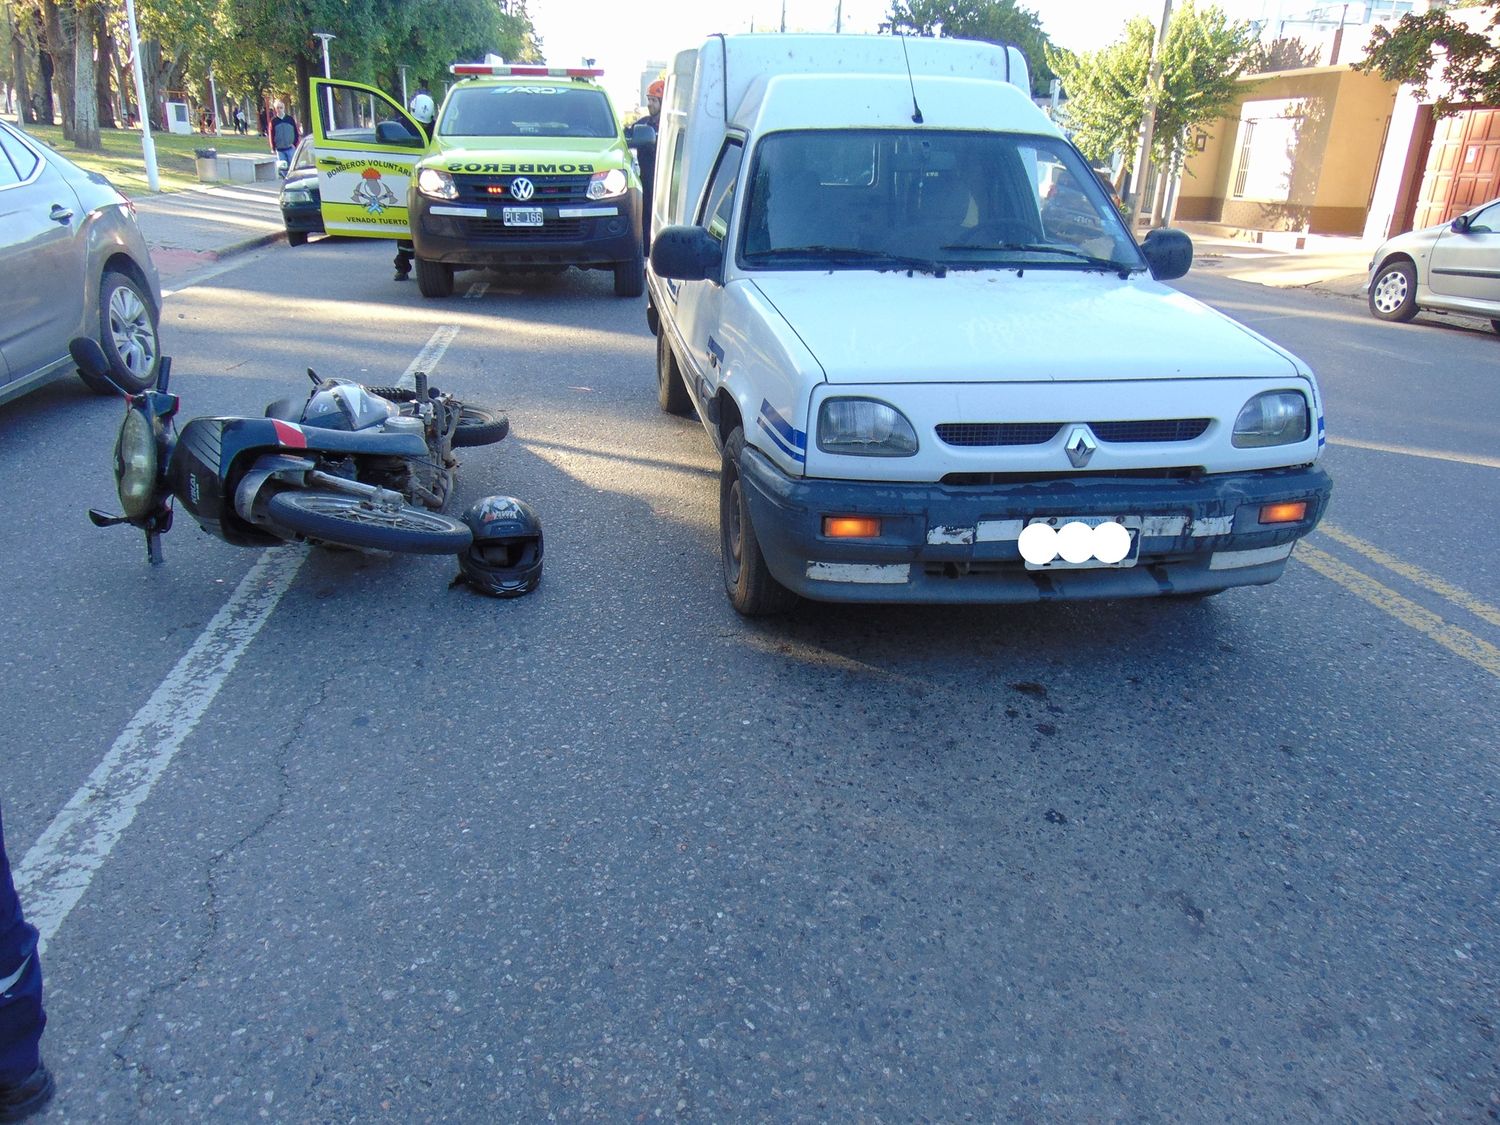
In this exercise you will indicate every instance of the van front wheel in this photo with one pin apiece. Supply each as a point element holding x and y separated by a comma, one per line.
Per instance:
<point>630,277</point>
<point>434,279</point>
<point>747,580</point>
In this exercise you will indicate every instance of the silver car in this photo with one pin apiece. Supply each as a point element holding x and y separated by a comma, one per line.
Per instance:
<point>74,264</point>
<point>1451,268</point>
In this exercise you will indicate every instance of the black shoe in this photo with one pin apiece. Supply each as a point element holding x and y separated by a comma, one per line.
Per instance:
<point>402,276</point>
<point>21,1100</point>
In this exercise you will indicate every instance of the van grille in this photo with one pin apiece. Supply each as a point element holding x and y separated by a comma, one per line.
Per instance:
<point>978,434</point>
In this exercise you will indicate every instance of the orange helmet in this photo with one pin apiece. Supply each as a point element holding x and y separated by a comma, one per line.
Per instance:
<point>656,89</point>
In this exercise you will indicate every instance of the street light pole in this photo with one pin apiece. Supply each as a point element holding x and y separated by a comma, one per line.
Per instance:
<point>148,146</point>
<point>325,36</point>
<point>213,92</point>
<point>403,67</point>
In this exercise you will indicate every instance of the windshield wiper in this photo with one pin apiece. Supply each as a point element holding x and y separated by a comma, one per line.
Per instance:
<point>1122,268</point>
<point>847,255</point>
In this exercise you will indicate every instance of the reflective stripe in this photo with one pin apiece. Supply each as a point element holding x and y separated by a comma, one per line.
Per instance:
<point>15,978</point>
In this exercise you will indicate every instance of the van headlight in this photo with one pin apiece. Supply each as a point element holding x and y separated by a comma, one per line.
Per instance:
<point>436,184</point>
<point>864,427</point>
<point>608,185</point>
<point>1272,418</point>
<point>135,465</point>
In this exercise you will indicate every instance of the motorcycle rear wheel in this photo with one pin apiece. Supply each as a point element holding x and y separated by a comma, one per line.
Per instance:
<point>479,425</point>
<point>347,521</point>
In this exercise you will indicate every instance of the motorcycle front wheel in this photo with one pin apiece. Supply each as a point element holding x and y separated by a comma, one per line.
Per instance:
<point>479,425</point>
<point>347,521</point>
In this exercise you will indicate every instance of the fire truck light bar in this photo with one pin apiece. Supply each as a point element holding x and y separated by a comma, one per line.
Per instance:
<point>523,71</point>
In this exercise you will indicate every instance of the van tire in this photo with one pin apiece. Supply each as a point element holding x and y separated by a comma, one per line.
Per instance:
<point>671,393</point>
<point>747,580</point>
<point>434,279</point>
<point>630,277</point>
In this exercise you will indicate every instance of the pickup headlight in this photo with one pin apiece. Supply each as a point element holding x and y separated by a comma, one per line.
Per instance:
<point>864,427</point>
<point>1272,418</point>
<point>135,464</point>
<point>296,195</point>
<point>608,185</point>
<point>436,184</point>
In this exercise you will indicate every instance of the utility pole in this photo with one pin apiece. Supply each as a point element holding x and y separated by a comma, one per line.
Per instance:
<point>838,18</point>
<point>403,68</point>
<point>1138,181</point>
<point>783,17</point>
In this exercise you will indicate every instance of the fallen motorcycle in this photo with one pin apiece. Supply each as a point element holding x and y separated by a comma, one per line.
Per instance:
<point>368,468</point>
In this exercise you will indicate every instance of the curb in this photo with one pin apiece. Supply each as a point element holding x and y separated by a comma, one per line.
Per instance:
<point>248,244</point>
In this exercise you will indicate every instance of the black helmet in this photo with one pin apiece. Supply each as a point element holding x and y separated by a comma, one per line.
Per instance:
<point>505,559</point>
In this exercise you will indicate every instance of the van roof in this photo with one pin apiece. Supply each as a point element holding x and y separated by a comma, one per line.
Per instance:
<point>883,101</point>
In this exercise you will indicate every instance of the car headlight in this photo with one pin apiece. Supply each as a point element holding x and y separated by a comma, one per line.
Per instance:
<point>608,185</point>
<point>296,195</point>
<point>135,464</point>
<point>864,427</point>
<point>1272,418</point>
<point>436,184</point>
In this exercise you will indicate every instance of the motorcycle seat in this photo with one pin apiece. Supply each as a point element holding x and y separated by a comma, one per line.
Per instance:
<point>285,410</point>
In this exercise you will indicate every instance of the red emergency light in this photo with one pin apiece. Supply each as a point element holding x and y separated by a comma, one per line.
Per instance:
<point>523,70</point>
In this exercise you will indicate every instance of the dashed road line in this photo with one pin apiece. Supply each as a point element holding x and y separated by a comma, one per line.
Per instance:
<point>428,357</point>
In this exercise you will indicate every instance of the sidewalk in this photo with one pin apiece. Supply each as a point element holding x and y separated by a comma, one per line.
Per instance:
<point>188,230</point>
<point>1330,263</point>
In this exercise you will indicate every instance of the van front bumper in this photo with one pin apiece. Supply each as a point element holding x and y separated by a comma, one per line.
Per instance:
<point>584,234</point>
<point>940,543</point>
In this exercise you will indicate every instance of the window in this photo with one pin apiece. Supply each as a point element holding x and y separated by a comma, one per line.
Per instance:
<point>21,164</point>
<point>1486,221</point>
<point>676,189</point>
<point>527,111</point>
<point>719,203</point>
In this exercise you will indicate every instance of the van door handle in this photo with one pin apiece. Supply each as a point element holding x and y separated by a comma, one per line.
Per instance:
<point>60,214</point>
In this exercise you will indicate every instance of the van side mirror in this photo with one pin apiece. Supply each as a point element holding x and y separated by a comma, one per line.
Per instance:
<point>1168,252</point>
<point>687,254</point>
<point>642,135</point>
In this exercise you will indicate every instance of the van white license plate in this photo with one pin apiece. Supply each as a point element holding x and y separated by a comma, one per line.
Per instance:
<point>523,216</point>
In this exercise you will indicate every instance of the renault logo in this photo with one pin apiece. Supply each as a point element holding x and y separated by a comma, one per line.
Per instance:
<point>1080,446</point>
<point>522,189</point>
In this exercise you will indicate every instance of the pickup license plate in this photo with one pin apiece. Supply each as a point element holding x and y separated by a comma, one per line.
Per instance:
<point>523,216</point>
<point>1132,525</point>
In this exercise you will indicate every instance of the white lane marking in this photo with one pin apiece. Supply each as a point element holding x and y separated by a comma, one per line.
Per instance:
<point>58,869</point>
<point>1413,451</point>
<point>428,357</point>
<point>478,289</point>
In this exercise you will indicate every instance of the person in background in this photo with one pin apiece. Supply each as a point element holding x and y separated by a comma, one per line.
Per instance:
<point>25,1083</point>
<point>648,166</point>
<point>284,133</point>
<point>239,121</point>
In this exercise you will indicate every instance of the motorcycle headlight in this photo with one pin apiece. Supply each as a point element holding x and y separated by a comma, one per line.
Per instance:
<point>135,464</point>
<point>436,184</point>
<point>864,427</point>
<point>608,185</point>
<point>1272,418</point>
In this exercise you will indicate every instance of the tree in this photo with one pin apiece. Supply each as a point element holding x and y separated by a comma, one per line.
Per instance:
<point>1108,90</point>
<point>85,83</point>
<point>1467,60</point>
<point>1281,54</point>
<point>992,21</point>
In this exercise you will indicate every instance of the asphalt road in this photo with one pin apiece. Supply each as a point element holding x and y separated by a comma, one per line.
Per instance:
<point>610,852</point>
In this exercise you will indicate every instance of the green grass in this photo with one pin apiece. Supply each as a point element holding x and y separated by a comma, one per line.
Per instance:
<point>125,165</point>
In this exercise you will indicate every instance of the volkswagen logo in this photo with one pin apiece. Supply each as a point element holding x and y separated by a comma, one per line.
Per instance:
<point>522,189</point>
<point>1080,446</point>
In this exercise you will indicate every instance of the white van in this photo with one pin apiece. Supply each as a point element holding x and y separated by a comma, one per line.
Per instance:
<point>938,366</point>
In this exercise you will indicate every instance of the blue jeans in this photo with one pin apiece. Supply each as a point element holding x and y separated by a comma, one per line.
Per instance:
<point>286,155</point>
<point>21,1015</point>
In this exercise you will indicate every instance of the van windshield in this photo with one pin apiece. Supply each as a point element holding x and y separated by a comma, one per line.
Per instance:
<point>527,111</point>
<point>846,199</point>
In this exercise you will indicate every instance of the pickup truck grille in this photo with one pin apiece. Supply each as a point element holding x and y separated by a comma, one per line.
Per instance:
<point>549,189</point>
<point>978,434</point>
<point>493,229</point>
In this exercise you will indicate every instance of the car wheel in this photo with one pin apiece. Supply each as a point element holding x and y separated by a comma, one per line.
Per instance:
<point>296,237</point>
<point>1495,324</point>
<point>671,394</point>
<point>1393,296</point>
<point>434,279</point>
<point>752,589</point>
<point>128,335</point>
<point>630,277</point>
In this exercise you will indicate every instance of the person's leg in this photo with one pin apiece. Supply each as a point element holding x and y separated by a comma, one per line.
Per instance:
<point>404,253</point>
<point>25,1085</point>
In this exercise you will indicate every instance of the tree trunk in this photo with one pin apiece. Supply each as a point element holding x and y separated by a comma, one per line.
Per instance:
<point>306,68</point>
<point>17,48</point>
<point>43,98</point>
<point>107,116</point>
<point>85,86</point>
<point>153,111</point>
<point>60,46</point>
